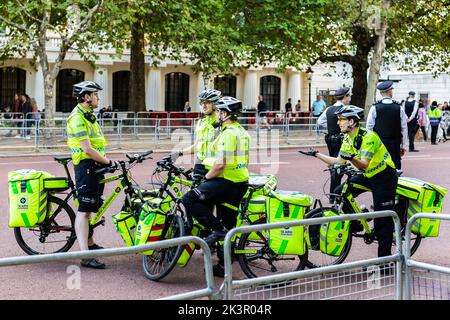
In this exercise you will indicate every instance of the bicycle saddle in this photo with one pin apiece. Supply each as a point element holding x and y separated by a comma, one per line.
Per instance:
<point>62,160</point>
<point>255,185</point>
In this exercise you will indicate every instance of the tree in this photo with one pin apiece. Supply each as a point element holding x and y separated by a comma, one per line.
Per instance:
<point>303,33</point>
<point>28,25</point>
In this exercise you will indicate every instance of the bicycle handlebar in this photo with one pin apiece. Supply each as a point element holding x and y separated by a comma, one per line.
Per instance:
<point>346,169</point>
<point>166,164</point>
<point>139,158</point>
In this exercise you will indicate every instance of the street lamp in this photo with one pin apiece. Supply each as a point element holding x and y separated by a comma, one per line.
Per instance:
<point>309,73</point>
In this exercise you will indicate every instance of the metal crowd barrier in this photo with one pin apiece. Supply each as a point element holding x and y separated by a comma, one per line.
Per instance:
<point>270,283</point>
<point>155,126</point>
<point>434,281</point>
<point>208,292</point>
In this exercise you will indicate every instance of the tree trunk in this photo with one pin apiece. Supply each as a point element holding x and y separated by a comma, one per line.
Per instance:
<point>359,89</point>
<point>136,98</point>
<point>377,57</point>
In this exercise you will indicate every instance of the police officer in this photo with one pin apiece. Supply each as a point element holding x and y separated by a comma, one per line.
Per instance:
<point>206,131</point>
<point>365,150</point>
<point>388,119</point>
<point>411,107</point>
<point>333,138</point>
<point>87,145</point>
<point>226,179</point>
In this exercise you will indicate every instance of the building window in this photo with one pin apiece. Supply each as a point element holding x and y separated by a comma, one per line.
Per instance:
<point>121,82</point>
<point>269,87</point>
<point>65,102</point>
<point>176,91</point>
<point>226,85</point>
<point>12,81</point>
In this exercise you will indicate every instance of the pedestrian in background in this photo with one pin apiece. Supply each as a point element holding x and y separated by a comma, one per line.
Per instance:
<point>444,123</point>
<point>435,116</point>
<point>262,110</point>
<point>388,119</point>
<point>422,120</point>
<point>411,107</point>
<point>298,106</point>
<point>288,106</point>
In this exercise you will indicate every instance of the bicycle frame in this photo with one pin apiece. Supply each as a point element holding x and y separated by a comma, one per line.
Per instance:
<point>351,201</point>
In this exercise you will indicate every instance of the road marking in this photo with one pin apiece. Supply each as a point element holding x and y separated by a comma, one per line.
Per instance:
<point>33,162</point>
<point>428,159</point>
<point>264,163</point>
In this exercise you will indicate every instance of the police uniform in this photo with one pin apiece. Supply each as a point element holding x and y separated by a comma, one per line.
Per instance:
<point>232,144</point>
<point>206,134</point>
<point>380,177</point>
<point>411,107</point>
<point>388,120</point>
<point>89,190</point>
<point>333,138</point>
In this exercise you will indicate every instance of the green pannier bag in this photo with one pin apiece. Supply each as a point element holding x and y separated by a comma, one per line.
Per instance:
<point>27,197</point>
<point>126,225</point>
<point>256,210</point>
<point>333,235</point>
<point>422,197</point>
<point>287,206</point>
<point>151,224</point>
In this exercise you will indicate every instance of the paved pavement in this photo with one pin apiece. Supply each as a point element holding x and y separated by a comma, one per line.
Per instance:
<point>124,279</point>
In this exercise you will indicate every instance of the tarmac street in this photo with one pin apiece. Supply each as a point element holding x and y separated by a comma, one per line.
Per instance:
<point>124,278</point>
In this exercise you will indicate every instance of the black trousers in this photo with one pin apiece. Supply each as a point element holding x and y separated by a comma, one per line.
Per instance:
<point>393,147</point>
<point>89,189</point>
<point>412,129</point>
<point>199,202</point>
<point>434,131</point>
<point>334,143</point>
<point>383,186</point>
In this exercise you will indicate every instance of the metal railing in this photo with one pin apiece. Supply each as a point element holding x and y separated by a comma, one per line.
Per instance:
<point>230,285</point>
<point>122,127</point>
<point>209,291</point>
<point>411,264</point>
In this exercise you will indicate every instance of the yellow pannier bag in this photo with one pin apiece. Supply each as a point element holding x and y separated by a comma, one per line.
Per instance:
<point>333,235</point>
<point>256,210</point>
<point>150,226</point>
<point>422,197</point>
<point>188,249</point>
<point>27,197</point>
<point>126,225</point>
<point>287,206</point>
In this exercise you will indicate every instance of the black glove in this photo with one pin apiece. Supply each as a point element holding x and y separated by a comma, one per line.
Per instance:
<point>347,156</point>
<point>311,152</point>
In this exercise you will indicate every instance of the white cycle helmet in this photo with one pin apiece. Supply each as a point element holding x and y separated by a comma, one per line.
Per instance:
<point>229,104</point>
<point>209,95</point>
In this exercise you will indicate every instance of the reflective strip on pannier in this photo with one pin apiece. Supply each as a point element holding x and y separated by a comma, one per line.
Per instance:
<point>422,197</point>
<point>333,235</point>
<point>287,206</point>
<point>188,250</point>
<point>56,184</point>
<point>27,197</point>
<point>126,225</point>
<point>150,226</point>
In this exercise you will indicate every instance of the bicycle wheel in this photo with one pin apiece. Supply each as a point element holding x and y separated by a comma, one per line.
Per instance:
<point>159,264</point>
<point>55,234</point>
<point>317,258</point>
<point>257,259</point>
<point>401,208</point>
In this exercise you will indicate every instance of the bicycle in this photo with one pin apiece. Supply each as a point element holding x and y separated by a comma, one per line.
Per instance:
<point>251,250</point>
<point>58,226</point>
<point>358,228</point>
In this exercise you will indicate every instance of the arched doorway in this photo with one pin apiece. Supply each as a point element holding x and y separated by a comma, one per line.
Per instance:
<point>121,82</point>
<point>12,81</point>
<point>64,83</point>
<point>176,91</point>
<point>226,85</point>
<point>269,88</point>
